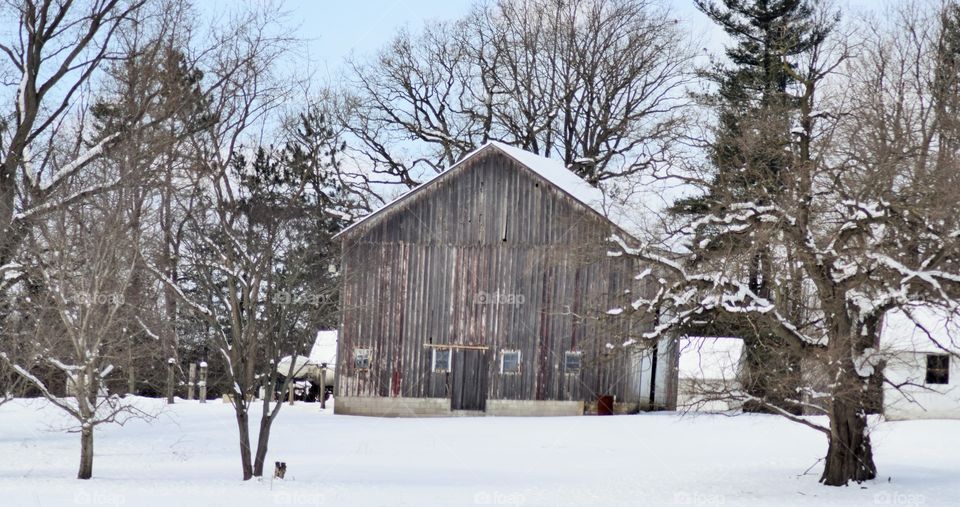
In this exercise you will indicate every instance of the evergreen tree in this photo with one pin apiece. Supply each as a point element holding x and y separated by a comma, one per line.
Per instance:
<point>155,95</point>
<point>946,88</point>
<point>752,149</point>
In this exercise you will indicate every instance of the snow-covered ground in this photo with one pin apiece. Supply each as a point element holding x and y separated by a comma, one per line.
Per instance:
<point>188,456</point>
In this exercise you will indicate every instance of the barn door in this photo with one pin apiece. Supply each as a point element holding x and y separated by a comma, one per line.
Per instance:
<point>469,380</point>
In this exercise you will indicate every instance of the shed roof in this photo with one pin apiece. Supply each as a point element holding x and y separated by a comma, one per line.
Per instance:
<point>921,328</point>
<point>324,349</point>
<point>709,358</point>
<point>551,170</point>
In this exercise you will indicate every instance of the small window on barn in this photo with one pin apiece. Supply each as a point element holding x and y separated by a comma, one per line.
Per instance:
<point>938,369</point>
<point>510,361</point>
<point>441,360</point>
<point>361,359</point>
<point>572,361</point>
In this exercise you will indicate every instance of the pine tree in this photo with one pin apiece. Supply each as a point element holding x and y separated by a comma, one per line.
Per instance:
<point>946,89</point>
<point>154,94</point>
<point>755,110</point>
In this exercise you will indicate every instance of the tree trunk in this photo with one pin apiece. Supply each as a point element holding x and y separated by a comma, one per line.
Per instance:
<point>323,383</point>
<point>132,381</point>
<point>86,453</point>
<point>243,425</point>
<point>263,440</point>
<point>170,381</point>
<point>849,455</point>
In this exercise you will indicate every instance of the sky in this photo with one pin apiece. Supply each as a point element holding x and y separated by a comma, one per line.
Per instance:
<point>332,30</point>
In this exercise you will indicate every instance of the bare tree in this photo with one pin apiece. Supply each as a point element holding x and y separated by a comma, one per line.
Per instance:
<point>130,49</point>
<point>598,83</point>
<point>229,265</point>
<point>82,262</point>
<point>253,276</point>
<point>48,59</point>
<point>55,51</point>
<point>240,219</point>
<point>156,93</point>
<point>859,218</point>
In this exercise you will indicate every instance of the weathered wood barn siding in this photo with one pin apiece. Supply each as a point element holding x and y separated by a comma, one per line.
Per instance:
<point>490,255</point>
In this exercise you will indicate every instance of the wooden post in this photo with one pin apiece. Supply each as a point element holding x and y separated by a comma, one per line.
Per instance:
<point>203,381</point>
<point>191,380</point>
<point>323,385</point>
<point>291,389</point>
<point>132,381</point>
<point>170,380</point>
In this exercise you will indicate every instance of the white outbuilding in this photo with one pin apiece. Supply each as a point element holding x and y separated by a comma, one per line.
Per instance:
<point>921,347</point>
<point>708,368</point>
<point>319,365</point>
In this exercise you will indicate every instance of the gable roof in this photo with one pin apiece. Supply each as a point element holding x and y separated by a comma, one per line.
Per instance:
<point>709,358</point>
<point>921,328</point>
<point>551,170</point>
<point>324,349</point>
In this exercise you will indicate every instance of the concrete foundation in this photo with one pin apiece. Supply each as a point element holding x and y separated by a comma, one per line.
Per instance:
<point>440,407</point>
<point>392,407</point>
<point>532,408</point>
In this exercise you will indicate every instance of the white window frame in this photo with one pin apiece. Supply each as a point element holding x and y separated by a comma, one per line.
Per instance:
<point>503,353</point>
<point>362,351</point>
<point>568,353</point>
<point>433,359</point>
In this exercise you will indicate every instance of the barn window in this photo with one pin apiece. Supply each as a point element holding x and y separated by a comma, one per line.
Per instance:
<point>938,369</point>
<point>510,361</point>
<point>441,360</point>
<point>361,359</point>
<point>572,361</point>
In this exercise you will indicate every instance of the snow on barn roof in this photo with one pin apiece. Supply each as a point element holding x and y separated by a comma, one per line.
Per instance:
<point>557,173</point>
<point>709,358</point>
<point>920,328</point>
<point>552,170</point>
<point>324,349</point>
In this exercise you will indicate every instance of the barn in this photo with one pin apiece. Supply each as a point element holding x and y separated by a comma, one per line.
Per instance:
<point>487,290</point>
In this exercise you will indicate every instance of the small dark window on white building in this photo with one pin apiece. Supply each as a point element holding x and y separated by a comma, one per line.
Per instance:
<point>938,369</point>
<point>572,361</point>
<point>441,360</point>
<point>361,359</point>
<point>510,361</point>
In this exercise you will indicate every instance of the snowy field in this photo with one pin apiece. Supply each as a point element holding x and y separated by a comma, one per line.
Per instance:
<point>188,456</point>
